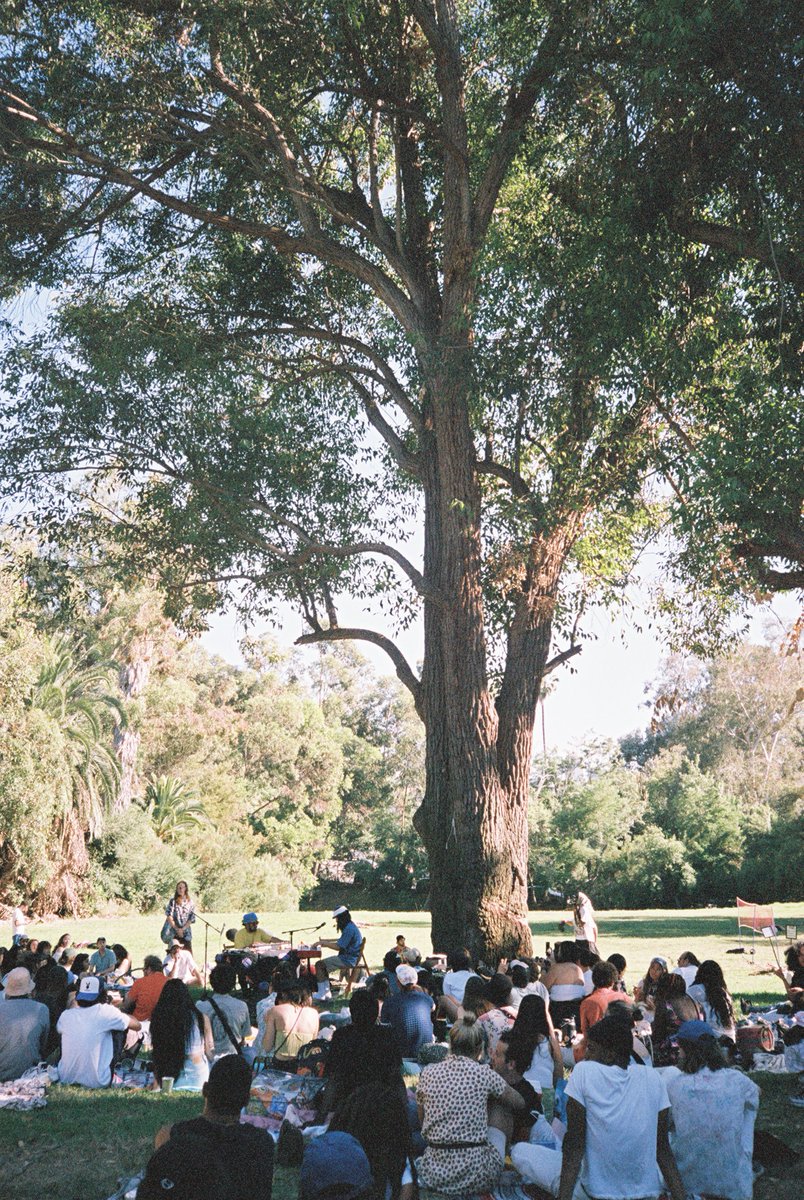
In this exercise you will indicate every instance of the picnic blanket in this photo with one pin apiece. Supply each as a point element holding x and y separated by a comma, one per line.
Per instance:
<point>27,1092</point>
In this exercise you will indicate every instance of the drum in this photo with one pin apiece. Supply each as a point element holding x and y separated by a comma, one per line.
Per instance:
<point>754,1039</point>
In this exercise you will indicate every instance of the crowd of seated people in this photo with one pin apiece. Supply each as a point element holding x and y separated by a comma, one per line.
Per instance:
<point>647,1079</point>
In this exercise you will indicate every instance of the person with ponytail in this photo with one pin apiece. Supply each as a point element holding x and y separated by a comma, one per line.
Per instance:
<point>710,991</point>
<point>467,1113</point>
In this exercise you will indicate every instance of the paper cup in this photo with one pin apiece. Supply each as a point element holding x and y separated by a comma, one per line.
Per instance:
<point>167,1084</point>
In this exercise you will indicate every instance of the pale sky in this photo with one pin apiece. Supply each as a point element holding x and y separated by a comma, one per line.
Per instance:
<point>605,697</point>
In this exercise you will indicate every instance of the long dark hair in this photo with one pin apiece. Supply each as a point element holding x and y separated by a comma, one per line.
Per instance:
<point>186,890</point>
<point>342,920</point>
<point>476,996</point>
<point>376,1115</point>
<point>530,1028</point>
<point>172,1023</point>
<point>710,975</point>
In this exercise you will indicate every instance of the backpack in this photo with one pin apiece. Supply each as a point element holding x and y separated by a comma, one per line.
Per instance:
<point>312,1058</point>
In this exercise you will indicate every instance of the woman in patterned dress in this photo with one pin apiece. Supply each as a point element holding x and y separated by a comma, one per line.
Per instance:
<point>466,1110</point>
<point>180,914</point>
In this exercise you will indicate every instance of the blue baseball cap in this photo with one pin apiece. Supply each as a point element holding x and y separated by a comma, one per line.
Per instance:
<point>335,1165</point>
<point>691,1031</point>
<point>249,917</point>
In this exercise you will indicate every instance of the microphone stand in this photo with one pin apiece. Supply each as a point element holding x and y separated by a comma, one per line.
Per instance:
<point>207,927</point>
<point>306,929</point>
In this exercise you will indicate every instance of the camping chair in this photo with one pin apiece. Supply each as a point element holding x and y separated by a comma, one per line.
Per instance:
<point>755,917</point>
<point>352,975</point>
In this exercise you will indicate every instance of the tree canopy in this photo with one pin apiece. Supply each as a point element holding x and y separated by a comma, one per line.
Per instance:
<point>521,273</point>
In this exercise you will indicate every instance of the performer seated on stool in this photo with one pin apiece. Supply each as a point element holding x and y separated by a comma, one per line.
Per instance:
<point>348,947</point>
<point>251,934</point>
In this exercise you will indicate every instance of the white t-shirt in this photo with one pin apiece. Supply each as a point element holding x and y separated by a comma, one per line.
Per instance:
<point>540,1071</point>
<point>186,968</point>
<point>19,920</point>
<point>455,984</point>
<point>687,974</point>
<point>712,1135</point>
<point>622,1116</point>
<point>86,1044</point>
<point>532,989</point>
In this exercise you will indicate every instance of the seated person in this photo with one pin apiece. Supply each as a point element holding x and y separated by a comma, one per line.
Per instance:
<point>565,983</point>
<point>224,1007</point>
<point>87,1043</point>
<point>672,1007</point>
<point>360,1053</point>
<point>144,993</point>
<point>376,1114</point>
<point>459,971</point>
<point>103,961</point>
<point>335,1167</point>
<point>717,1007</point>
<point>389,966</point>
<point>533,1047</point>
<point>712,1105</point>
<point>24,1026</point>
<point>409,1013</point>
<point>645,990</point>
<point>507,1069</point>
<point>182,1039</point>
<point>466,1112</point>
<point>348,946</point>
<point>180,964</point>
<point>500,1016</point>
<point>523,983</point>
<point>619,962</point>
<point>687,967</point>
<point>617,1127</point>
<point>243,1155</point>
<point>593,1007</point>
<point>252,934</point>
<point>794,986</point>
<point>52,990</point>
<point>289,1025</point>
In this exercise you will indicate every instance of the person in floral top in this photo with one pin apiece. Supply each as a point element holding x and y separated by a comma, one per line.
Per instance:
<point>466,1111</point>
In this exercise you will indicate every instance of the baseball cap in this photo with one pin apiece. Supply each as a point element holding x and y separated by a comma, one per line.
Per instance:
<point>19,982</point>
<point>89,990</point>
<point>248,918</point>
<point>691,1031</point>
<point>336,912</point>
<point>406,974</point>
<point>334,1165</point>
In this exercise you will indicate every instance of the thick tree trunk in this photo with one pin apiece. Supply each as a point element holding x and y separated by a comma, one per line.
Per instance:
<point>474,826</point>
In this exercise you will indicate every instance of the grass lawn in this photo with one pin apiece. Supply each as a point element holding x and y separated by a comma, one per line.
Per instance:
<point>77,1147</point>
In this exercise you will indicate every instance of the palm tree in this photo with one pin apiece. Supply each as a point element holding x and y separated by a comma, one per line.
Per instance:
<point>172,807</point>
<point>74,688</point>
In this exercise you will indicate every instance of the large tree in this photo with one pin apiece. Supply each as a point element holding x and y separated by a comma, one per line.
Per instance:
<point>337,268</point>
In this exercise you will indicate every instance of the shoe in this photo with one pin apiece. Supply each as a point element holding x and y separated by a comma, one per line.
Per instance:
<point>325,995</point>
<point>289,1145</point>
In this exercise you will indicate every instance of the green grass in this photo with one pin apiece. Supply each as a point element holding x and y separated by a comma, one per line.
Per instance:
<point>83,1141</point>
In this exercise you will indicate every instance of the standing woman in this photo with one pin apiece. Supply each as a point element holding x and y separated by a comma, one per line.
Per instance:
<point>584,921</point>
<point>179,916</point>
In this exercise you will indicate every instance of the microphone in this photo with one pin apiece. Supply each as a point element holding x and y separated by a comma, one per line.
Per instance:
<point>321,926</point>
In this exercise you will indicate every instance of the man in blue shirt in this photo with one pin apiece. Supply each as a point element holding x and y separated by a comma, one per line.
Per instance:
<point>348,946</point>
<point>410,1013</point>
<point>103,961</point>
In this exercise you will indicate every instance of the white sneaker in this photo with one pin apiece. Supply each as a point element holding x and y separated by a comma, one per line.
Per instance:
<point>323,994</point>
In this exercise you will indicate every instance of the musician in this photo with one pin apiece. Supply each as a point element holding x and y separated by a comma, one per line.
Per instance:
<point>348,946</point>
<point>251,934</point>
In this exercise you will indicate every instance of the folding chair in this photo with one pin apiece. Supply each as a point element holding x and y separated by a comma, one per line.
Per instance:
<point>353,976</point>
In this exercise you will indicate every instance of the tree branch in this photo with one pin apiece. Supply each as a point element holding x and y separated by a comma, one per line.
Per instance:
<point>563,657</point>
<point>403,669</point>
<point>784,261</point>
<point>519,107</point>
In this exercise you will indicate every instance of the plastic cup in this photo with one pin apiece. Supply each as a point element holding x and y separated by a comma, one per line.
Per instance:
<point>548,1102</point>
<point>167,1084</point>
